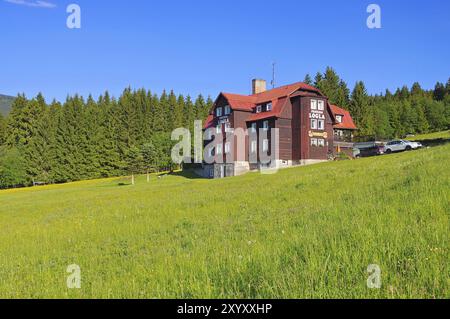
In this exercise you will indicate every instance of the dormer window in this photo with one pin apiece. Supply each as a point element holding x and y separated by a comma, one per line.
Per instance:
<point>258,109</point>
<point>227,110</point>
<point>339,118</point>
<point>269,107</point>
<point>219,112</point>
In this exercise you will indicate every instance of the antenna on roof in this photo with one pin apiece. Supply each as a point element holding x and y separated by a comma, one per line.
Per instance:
<point>273,75</point>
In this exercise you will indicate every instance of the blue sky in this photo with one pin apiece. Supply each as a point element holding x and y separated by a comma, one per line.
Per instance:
<point>206,46</point>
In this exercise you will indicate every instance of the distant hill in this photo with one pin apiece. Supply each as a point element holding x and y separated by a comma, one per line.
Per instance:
<point>5,104</point>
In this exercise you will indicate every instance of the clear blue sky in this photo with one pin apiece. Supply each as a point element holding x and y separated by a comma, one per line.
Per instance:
<point>206,46</point>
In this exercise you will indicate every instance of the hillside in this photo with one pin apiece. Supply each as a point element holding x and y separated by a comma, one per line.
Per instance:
<point>5,104</point>
<point>307,232</point>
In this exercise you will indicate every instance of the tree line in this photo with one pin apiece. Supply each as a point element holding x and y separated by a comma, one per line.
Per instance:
<point>86,138</point>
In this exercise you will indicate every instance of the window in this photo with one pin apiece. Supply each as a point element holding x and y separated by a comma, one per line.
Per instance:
<point>265,145</point>
<point>266,125</point>
<point>314,124</point>
<point>219,129</point>
<point>227,147</point>
<point>339,118</point>
<point>227,110</point>
<point>320,105</point>
<point>314,142</point>
<point>321,125</point>
<point>228,127</point>
<point>253,146</point>
<point>258,109</point>
<point>313,104</point>
<point>219,148</point>
<point>219,111</point>
<point>269,107</point>
<point>253,128</point>
<point>321,142</point>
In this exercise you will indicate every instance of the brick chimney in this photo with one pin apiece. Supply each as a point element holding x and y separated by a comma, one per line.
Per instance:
<point>258,86</point>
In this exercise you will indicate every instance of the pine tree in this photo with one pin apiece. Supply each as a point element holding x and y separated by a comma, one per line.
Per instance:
<point>38,150</point>
<point>416,90</point>
<point>439,91</point>
<point>318,80</point>
<point>2,130</point>
<point>18,133</point>
<point>359,108</point>
<point>12,168</point>
<point>135,162</point>
<point>308,80</point>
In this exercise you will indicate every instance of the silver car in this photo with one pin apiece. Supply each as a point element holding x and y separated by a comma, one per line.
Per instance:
<point>401,145</point>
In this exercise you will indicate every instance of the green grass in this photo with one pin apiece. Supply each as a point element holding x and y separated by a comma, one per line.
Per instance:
<point>307,232</point>
<point>445,135</point>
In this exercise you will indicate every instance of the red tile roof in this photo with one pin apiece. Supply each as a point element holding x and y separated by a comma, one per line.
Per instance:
<point>209,121</point>
<point>278,96</point>
<point>277,108</point>
<point>347,121</point>
<point>283,91</point>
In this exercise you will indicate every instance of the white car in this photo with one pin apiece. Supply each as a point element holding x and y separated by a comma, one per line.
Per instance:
<point>401,145</point>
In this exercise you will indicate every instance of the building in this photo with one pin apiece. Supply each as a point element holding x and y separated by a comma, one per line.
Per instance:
<point>344,129</point>
<point>298,116</point>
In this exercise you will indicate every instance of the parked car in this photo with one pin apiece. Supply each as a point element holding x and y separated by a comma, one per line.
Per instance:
<point>368,149</point>
<point>401,145</point>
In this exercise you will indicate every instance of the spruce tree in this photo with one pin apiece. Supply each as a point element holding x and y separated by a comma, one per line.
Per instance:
<point>308,80</point>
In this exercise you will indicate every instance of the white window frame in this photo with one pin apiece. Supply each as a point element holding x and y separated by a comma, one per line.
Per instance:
<point>320,142</point>
<point>321,125</point>
<point>219,149</point>
<point>313,104</point>
<point>219,112</point>
<point>253,146</point>
<point>228,127</point>
<point>265,145</point>
<point>266,125</point>
<point>314,142</point>
<point>269,107</point>
<point>314,124</point>
<point>219,128</point>
<point>254,127</point>
<point>258,109</point>
<point>227,110</point>
<point>339,118</point>
<point>321,105</point>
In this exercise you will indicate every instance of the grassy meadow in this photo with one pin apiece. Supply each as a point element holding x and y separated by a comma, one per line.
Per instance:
<point>306,232</point>
<point>444,135</point>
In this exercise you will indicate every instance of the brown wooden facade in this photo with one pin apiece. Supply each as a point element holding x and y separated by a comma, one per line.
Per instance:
<point>302,115</point>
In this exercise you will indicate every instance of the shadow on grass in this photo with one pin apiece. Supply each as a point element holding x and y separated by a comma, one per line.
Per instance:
<point>435,142</point>
<point>186,174</point>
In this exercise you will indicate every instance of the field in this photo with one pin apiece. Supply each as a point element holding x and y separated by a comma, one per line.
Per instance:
<point>307,232</point>
<point>445,135</point>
